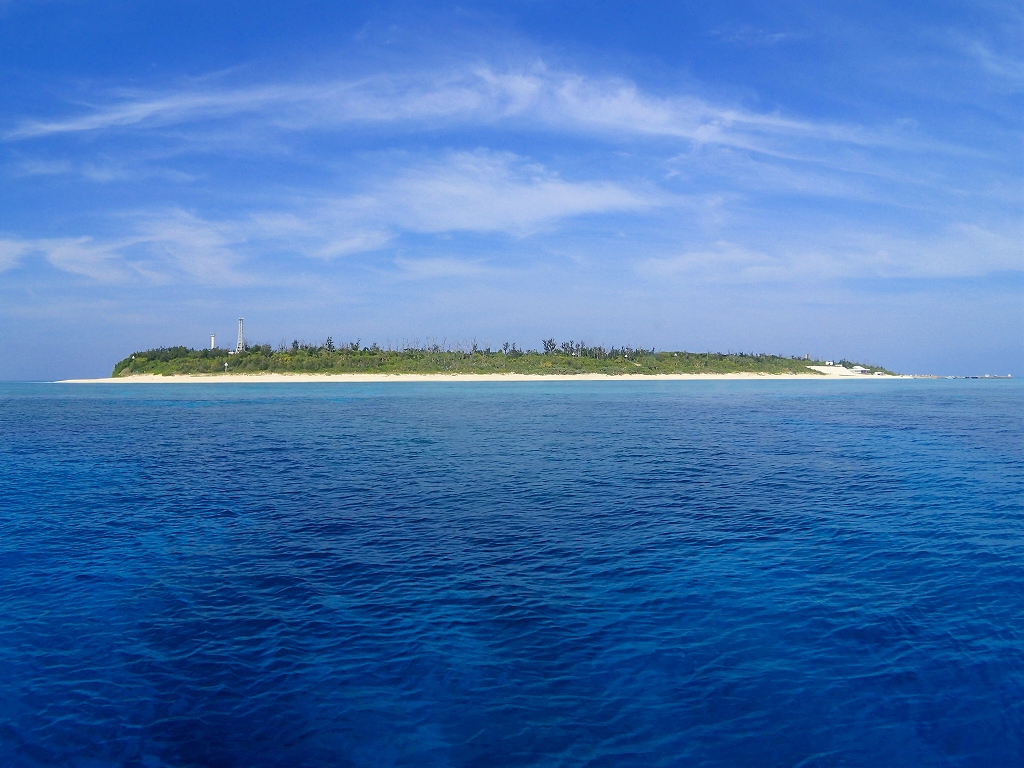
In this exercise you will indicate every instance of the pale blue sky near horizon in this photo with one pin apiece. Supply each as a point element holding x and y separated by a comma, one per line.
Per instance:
<point>843,179</point>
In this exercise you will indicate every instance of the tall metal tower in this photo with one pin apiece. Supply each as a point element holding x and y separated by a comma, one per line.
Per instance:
<point>240,346</point>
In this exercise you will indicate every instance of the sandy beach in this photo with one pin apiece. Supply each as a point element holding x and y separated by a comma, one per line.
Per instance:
<point>830,374</point>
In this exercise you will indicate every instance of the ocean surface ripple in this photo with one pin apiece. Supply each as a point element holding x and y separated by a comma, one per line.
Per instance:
<point>550,574</point>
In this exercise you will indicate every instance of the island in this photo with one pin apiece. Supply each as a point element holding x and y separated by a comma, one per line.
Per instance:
<point>554,359</point>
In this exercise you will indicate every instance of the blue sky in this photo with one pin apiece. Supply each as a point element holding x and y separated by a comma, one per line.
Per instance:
<point>840,179</point>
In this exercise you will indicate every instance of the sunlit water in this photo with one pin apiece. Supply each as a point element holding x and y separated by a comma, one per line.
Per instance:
<point>551,574</point>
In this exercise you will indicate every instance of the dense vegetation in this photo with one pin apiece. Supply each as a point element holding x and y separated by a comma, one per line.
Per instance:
<point>566,358</point>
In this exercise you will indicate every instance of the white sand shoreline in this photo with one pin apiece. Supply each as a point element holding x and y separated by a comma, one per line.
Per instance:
<point>366,378</point>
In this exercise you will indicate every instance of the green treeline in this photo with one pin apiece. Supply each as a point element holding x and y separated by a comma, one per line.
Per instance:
<point>565,358</point>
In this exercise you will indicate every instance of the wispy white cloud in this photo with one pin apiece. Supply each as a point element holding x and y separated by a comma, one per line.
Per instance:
<point>534,97</point>
<point>135,109</point>
<point>496,192</point>
<point>479,192</point>
<point>484,192</point>
<point>962,250</point>
<point>443,267</point>
<point>105,261</point>
<point>11,252</point>
<point>741,173</point>
<point>112,171</point>
<point>723,260</point>
<point>102,169</point>
<point>1007,68</point>
<point>156,249</point>
<point>180,244</point>
<point>40,167</point>
<point>752,36</point>
<point>352,241</point>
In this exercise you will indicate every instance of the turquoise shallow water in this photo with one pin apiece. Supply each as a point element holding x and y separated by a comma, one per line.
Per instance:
<point>551,574</point>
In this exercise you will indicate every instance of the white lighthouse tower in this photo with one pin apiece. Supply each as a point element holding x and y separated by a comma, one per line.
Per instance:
<point>240,346</point>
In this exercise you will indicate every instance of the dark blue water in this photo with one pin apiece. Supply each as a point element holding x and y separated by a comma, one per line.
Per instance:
<point>563,574</point>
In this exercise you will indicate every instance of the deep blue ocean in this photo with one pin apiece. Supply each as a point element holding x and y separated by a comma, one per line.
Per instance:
<point>546,574</point>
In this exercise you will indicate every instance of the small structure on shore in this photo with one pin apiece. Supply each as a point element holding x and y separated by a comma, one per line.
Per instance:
<point>240,346</point>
